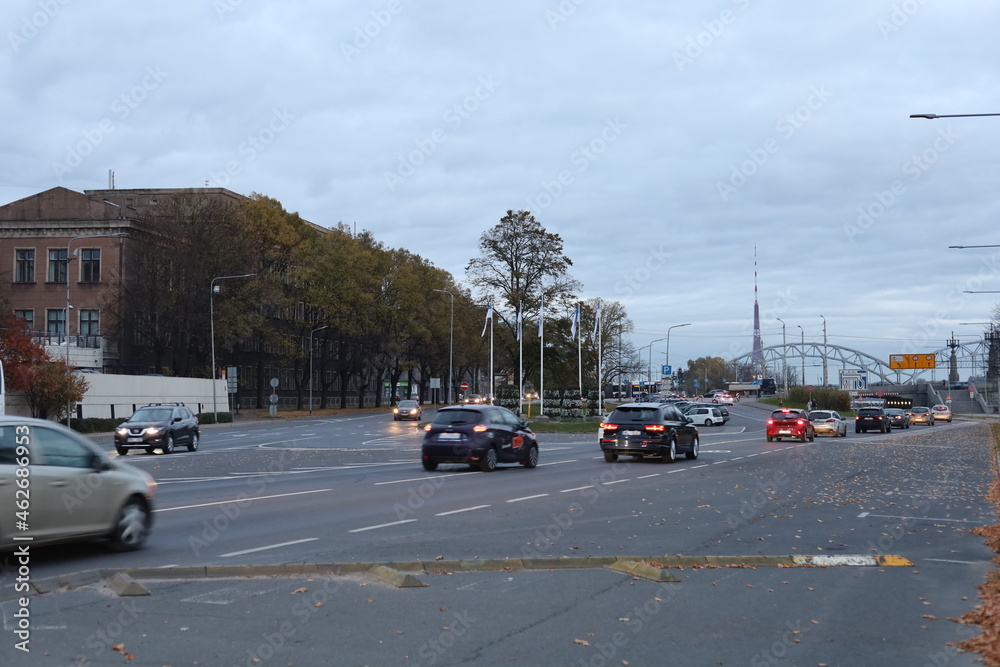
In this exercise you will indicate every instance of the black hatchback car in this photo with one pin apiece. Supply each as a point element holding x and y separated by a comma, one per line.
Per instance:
<point>648,429</point>
<point>872,419</point>
<point>159,426</point>
<point>480,436</point>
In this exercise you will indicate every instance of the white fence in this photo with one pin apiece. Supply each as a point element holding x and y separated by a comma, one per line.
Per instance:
<point>117,396</point>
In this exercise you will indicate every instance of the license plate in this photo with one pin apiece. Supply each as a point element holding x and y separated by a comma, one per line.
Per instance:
<point>631,433</point>
<point>784,432</point>
<point>135,440</point>
<point>449,436</point>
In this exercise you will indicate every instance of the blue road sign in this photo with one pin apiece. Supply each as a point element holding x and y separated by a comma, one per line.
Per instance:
<point>667,370</point>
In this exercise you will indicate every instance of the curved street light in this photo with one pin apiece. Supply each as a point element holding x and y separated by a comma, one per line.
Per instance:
<point>932,116</point>
<point>451,347</point>
<point>325,326</point>
<point>667,356</point>
<point>212,289</point>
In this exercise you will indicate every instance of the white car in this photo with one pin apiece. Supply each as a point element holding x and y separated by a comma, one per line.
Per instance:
<point>706,414</point>
<point>942,413</point>
<point>56,486</point>
<point>723,399</point>
<point>828,422</point>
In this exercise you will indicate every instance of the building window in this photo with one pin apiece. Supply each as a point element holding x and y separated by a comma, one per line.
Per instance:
<point>90,266</point>
<point>24,260</point>
<point>90,323</point>
<point>57,266</point>
<point>28,316</point>
<point>55,322</point>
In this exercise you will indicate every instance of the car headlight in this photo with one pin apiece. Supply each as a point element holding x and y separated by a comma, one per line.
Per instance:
<point>153,431</point>
<point>121,431</point>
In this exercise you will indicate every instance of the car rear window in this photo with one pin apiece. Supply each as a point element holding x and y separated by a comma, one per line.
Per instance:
<point>635,414</point>
<point>457,417</point>
<point>781,414</point>
<point>820,415</point>
<point>869,412</point>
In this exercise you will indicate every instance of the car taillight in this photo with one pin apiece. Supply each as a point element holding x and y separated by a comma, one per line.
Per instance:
<point>770,422</point>
<point>800,422</point>
<point>605,425</point>
<point>830,421</point>
<point>479,428</point>
<point>655,427</point>
<point>427,427</point>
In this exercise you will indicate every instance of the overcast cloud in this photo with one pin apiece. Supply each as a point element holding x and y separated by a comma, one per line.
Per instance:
<point>661,140</point>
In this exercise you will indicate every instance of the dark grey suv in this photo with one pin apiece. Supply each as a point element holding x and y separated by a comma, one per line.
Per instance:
<point>872,419</point>
<point>159,426</point>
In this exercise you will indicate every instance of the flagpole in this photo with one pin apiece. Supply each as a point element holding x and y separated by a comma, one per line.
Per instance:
<point>541,355</point>
<point>600,385</point>
<point>520,362</point>
<point>493,381</point>
<point>579,351</point>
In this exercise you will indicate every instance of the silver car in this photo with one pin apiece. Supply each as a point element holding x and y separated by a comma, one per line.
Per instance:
<point>828,422</point>
<point>56,486</point>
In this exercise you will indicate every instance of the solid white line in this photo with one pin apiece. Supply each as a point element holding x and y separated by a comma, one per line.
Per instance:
<point>517,500</point>
<point>381,525</point>
<point>240,500</point>
<point>736,458</point>
<point>703,465</point>
<point>466,509</point>
<point>617,481</point>
<point>412,479</point>
<point>718,462</point>
<point>579,488</point>
<point>273,546</point>
<point>655,474</point>
<point>923,518</point>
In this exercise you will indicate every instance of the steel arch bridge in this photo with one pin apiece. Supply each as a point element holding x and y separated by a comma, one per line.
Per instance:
<point>971,358</point>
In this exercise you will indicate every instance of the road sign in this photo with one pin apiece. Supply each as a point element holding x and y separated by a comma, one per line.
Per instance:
<point>903,361</point>
<point>854,380</point>
<point>667,370</point>
<point>696,383</point>
<point>464,386</point>
<point>810,388</point>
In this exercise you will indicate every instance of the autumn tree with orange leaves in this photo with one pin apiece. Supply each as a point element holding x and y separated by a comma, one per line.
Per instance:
<point>48,386</point>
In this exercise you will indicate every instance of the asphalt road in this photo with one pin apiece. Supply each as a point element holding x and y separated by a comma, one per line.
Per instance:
<point>351,490</point>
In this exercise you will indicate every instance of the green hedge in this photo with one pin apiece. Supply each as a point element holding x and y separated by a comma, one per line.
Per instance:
<point>95,425</point>
<point>826,397</point>
<point>209,418</point>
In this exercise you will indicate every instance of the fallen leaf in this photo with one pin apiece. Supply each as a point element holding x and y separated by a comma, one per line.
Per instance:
<point>300,590</point>
<point>582,642</point>
<point>118,647</point>
<point>318,604</point>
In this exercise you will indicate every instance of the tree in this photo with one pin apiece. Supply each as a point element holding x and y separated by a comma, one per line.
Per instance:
<point>18,350</point>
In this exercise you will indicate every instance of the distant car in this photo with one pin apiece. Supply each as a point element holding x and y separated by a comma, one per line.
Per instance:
<point>646,429</point>
<point>473,399</point>
<point>828,422</point>
<point>709,415</point>
<point>942,413</point>
<point>898,417</point>
<point>159,426</point>
<point>921,415</point>
<point>77,491</point>
<point>478,435</point>
<point>407,410</point>
<point>723,399</point>
<point>872,419</point>
<point>724,411</point>
<point>790,423</point>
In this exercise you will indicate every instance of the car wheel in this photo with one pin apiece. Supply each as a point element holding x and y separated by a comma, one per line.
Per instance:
<point>131,527</point>
<point>812,437</point>
<point>168,446</point>
<point>193,445</point>
<point>769,438</point>
<point>122,451</point>
<point>610,457</point>
<point>430,466</point>
<point>150,450</point>
<point>695,449</point>
<point>532,459</point>
<point>489,461</point>
<point>857,430</point>
<point>708,422</point>
<point>670,455</point>
<point>803,438</point>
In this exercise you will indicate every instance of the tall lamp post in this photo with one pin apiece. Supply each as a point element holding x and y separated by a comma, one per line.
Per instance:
<point>212,289</point>
<point>325,326</point>
<point>667,356</point>
<point>802,353</point>
<point>451,346</point>
<point>825,352</point>
<point>651,362</point>
<point>784,358</point>
<point>69,407</point>
<point>932,116</point>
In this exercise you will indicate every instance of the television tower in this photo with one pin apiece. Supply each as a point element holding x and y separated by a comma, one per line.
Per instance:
<point>757,358</point>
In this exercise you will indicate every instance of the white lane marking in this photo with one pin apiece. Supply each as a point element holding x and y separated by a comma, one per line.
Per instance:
<point>271,546</point>
<point>863,515</point>
<point>464,509</point>
<point>718,462</point>
<point>616,481</point>
<point>555,463</point>
<point>925,518</point>
<point>579,488</point>
<point>517,500</point>
<point>411,479</point>
<point>959,562</point>
<point>381,525</point>
<point>240,500</point>
<point>655,474</point>
<point>737,458</point>
<point>703,465</point>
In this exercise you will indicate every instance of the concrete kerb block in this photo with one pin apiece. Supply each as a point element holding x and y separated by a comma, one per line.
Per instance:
<point>123,585</point>
<point>486,565</point>
<point>395,578</point>
<point>166,573</point>
<point>643,571</point>
<point>583,562</point>
<point>342,569</point>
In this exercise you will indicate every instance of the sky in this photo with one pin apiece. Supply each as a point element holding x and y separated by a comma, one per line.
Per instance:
<point>674,146</point>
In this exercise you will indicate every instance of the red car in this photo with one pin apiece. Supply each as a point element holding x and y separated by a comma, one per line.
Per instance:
<point>790,423</point>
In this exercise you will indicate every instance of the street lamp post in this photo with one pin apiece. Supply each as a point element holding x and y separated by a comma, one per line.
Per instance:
<point>451,346</point>
<point>825,352</point>
<point>212,289</point>
<point>666,360</point>
<point>932,116</point>
<point>69,407</point>
<point>784,358</point>
<point>325,326</point>
<point>802,353</point>
<point>650,370</point>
